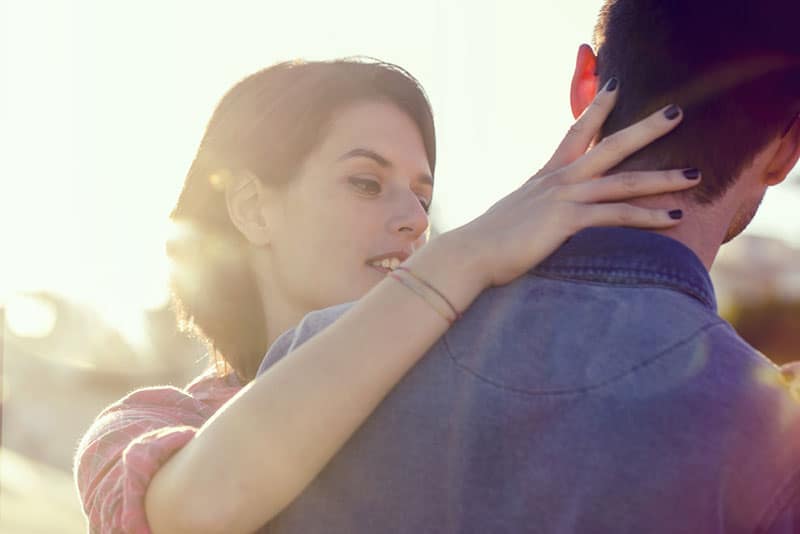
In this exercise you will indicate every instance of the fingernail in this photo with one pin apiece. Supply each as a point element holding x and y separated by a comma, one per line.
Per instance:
<point>611,86</point>
<point>676,214</point>
<point>691,174</point>
<point>672,112</point>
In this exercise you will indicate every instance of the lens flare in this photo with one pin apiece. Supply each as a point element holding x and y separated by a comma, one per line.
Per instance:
<point>30,316</point>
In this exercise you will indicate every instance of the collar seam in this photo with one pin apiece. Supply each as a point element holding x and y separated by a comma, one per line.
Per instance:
<point>667,281</point>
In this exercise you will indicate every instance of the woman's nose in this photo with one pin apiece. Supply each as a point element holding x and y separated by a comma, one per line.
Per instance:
<point>410,218</point>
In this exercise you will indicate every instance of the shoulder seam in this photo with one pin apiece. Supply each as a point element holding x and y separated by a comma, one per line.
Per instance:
<point>577,391</point>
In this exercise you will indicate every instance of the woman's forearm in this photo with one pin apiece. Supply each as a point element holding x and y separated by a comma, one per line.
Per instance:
<point>265,446</point>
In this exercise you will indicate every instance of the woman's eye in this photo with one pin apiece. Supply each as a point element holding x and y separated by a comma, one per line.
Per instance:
<point>366,185</point>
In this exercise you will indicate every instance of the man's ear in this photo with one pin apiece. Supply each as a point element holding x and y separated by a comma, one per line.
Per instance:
<point>245,197</point>
<point>584,80</point>
<point>785,156</point>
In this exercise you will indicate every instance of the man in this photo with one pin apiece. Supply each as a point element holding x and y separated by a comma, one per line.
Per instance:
<point>602,392</point>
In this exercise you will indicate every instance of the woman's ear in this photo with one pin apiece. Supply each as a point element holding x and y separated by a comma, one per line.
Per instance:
<point>786,155</point>
<point>245,197</point>
<point>584,80</point>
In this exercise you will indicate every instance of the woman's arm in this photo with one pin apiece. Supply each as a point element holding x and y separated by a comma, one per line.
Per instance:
<point>127,444</point>
<point>259,451</point>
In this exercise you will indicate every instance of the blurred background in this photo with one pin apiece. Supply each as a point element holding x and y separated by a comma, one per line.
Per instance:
<point>103,105</point>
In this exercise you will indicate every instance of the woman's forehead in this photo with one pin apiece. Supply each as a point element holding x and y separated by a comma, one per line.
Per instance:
<point>380,128</point>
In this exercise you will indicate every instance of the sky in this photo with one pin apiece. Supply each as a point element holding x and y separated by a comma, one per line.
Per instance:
<point>104,103</point>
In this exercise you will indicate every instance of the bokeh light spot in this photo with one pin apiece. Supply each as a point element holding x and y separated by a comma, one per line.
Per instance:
<point>30,316</point>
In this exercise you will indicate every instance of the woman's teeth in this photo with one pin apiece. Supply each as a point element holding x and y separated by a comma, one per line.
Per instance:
<point>387,263</point>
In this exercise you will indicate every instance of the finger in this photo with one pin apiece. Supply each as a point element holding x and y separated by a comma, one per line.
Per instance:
<point>582,133</point>
<point>621,214</point>
<point>615,148</point>
<point>628,185</point>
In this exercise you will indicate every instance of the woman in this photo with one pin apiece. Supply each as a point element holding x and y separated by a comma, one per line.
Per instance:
<point>311,185</point>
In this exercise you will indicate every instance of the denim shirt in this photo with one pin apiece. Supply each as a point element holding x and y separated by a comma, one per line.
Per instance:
<point>600,392</point>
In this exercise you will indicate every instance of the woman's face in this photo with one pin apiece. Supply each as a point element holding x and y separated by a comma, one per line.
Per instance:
<point>360,197</point>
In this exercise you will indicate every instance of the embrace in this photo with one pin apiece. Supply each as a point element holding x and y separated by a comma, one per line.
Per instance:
<point>556,365</point>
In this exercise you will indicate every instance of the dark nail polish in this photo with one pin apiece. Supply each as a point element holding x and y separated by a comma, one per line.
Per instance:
<point>672,112</point>
<point>611,86</point>
<point>691,174</point>
<point>676,214</point>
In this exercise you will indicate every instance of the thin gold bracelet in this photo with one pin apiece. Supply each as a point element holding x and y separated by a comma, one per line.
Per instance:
<point>456,313</point>
<point>423,293</point>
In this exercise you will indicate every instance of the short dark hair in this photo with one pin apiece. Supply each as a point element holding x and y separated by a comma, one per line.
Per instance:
<point>733,66</point>
<point>266,125</point>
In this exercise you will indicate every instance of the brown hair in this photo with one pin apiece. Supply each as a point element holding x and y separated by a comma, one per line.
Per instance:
<point>734,68</point>
<point>265,125</point>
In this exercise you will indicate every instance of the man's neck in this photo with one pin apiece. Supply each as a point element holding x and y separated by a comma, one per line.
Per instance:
<point>700,239</point>
<point>703,228</point>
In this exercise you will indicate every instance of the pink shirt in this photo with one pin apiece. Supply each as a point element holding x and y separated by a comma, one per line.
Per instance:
<point>131,439</point>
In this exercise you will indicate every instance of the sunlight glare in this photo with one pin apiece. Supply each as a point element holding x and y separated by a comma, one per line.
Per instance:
<point>30,316</point>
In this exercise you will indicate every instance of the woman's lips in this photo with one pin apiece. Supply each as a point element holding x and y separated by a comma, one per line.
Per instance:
<point>383,270</point>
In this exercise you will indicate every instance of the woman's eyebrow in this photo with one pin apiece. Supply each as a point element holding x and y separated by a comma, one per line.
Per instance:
<point>425,179</point>
<point>366,153</point>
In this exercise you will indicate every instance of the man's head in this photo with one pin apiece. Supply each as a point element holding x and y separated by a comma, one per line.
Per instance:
<point>734,68</point>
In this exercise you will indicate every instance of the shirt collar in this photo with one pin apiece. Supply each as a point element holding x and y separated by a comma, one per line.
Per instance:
<point>630,257</point>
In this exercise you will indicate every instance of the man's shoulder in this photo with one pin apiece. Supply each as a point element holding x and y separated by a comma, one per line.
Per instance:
<point>563,335</point>
<point>758,428</point>
<point>549,338</point>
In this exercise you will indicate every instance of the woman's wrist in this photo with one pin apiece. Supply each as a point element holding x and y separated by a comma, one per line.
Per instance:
<point>453,266</point>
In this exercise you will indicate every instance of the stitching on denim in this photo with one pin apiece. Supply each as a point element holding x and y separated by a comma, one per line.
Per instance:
<point>659,280</point>
<point>615,272</point>
<point>631,285</point>
<point>577,391</point>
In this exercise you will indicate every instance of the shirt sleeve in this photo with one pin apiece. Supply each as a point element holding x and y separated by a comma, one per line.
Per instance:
<point>309,326</point>
<point>124,448</point>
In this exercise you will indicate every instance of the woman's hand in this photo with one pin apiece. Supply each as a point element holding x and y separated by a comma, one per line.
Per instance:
<point>568,195</point>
